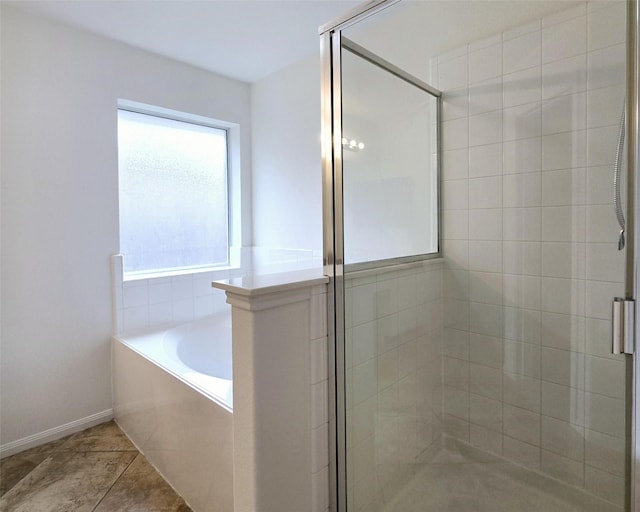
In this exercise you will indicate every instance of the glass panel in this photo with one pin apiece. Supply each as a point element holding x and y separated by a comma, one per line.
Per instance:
<point>485,380</point>
<point>173,193</point>
<point>390,171</point>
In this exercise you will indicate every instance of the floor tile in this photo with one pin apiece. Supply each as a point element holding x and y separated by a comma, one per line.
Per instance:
<point>67,482</point>
<point>15,467</point>
<point>106,437</point>
<point>142,489</point>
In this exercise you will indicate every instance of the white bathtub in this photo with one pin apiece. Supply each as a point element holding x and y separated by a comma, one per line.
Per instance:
<point>173,396</point>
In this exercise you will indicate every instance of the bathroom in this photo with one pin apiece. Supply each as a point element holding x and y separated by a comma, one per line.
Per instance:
<point>57,311</point>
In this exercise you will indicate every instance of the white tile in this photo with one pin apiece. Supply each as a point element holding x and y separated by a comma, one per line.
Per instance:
<point>522,258</point>
<point>564,150</point>
<point>564,113</point>
<point>455,284</point>
<point>455,134</point>
<point>598,338</point>
<point>484,43</point>
<point>485,224</point>
<point>607,486</point>
<point>455,104</point>
<point>565,296</point>
<point>485,96</point>
<point>522,30</point>
<point>485,412</point>
<point>456,253</point>
<point>522,87</point>
<point>521,291</point>
<point>605,263</point>
<point>181,287</point>
<point>320,491</point>
<point>522,359</point>
<point>485,192</point>
<point>318,360</point>
<point>182,310</point>
<point>521,390</point>
<point>485,128</point>
<point>455,164</point>
<point>486,319</point>
<point>522,325</point>
<point>386,297</point>
<point>601,145</point>
<point>135,294</point>
<point>522,190</point>
<point>599,295</point>
<point>566,332</point>
<point>202,284</point>
<point>159,292</point>
<point>562,468</point>
<point>485,350</point>
<point>563,367</point>
<point>605,376</point>
<point>524,155</point>
<point>606,67</point>
<point>319,448</point>
<point>605,414</point>
<point>135,318</point>
<point>455,194</point>
<point>522,224</point>
<point>486,439</point>
<point>602,225</point>
<point>202,306</point>
<point>522,121</point>
<point>563,40</point>
<point>485,63</point>
<point>485,256</point>
<point>521,424</point>
<point>563,438</point>
<point>485,381</point>
<point>364,342</point>
<point>565,187</point>
<point>456,314</point>
<point>485,287</point>
<point>407,292</point>
<point>566,76</point>
<point>605,452</point>
<point>563,403</point>
<point>564,224</point>
<point>599,185</point>
<point>456,343</point>
<point>320,404</point>
<point>456,402</point>
<point>318,316</point>
<point>485,160</point>
<point>604,106</point>
<point>365,383</point>
<point>453,73</point>
<point>363,303</point>
<point>564,259</point>
<point>522,52</point>
<point>456,373</point>
<point>606,27</point>
<point>564,15</point>
<point>522,453</point>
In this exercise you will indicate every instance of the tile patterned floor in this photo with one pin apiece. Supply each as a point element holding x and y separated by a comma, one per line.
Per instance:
<point>94,470</point>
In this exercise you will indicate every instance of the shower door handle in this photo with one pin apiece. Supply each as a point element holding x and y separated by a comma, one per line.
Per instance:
<point>623,325</point>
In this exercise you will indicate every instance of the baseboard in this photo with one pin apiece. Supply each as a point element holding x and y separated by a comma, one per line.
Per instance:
<point>54,433</point>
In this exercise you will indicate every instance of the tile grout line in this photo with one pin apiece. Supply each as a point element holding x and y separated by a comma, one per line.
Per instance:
<point>117,479</point>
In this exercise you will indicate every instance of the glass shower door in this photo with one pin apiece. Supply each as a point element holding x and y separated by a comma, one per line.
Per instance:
<point>484,378</point>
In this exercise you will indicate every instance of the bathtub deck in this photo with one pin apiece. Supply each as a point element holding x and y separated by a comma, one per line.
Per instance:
<point>94,470</point>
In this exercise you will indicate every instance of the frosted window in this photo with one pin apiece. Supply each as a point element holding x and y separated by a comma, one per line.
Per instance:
<point>173,194</point>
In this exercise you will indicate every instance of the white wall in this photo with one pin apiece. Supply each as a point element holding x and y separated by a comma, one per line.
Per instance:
<point>60,206</point>
<point>287,211</point>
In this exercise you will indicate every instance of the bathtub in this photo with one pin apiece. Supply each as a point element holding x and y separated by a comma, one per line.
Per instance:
<point>173,397</point>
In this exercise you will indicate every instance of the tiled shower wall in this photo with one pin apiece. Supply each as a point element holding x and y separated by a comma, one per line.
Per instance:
<point>393,320</point>
<point>530,121</point>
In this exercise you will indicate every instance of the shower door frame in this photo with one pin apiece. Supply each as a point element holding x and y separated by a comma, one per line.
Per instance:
<point>333,241</point>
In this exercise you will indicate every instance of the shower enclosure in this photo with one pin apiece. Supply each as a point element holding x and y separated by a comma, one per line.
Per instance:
<point>472,244</point>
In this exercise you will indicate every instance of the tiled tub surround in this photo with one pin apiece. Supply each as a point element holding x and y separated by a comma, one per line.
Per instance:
<point>393,377</point>
<point>531,265</point>
<point>271,452</point>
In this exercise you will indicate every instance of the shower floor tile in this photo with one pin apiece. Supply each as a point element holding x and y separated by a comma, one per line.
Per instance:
<point>460,478</point>
<point>97,469</point>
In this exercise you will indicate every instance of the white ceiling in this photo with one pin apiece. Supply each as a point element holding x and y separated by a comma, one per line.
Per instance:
<point>249,39</point>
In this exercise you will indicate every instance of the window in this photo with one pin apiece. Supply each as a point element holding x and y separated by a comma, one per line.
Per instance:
<point>173,187</point>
